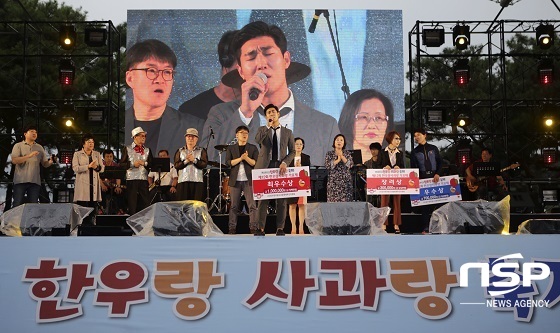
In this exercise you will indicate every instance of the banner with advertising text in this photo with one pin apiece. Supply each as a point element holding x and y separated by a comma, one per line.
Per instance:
<point>268,184</point>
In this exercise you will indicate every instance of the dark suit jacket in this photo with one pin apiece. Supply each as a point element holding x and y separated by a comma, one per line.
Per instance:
<point>384,155</point>
<point>264,140</point>
<point>232,153</point>
<point>305,160</point>
<point>172,130</point>
<point>316,128</point>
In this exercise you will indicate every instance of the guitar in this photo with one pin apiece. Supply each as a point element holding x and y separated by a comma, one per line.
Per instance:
<point>113,185</point>
<point>475,185</point>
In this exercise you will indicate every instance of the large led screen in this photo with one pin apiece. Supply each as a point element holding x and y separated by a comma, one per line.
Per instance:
<point>370,43</point>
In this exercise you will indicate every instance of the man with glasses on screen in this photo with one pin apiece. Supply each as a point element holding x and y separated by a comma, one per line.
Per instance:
<point>151,68</point>
<point>263,61</point>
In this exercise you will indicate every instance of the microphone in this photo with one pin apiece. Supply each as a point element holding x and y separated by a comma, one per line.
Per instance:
<point>254,92</point>
<point>313,24</point>
<point>212,132</point>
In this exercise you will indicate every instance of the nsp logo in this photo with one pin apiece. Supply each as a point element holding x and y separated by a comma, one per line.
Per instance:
<point>508,270</point>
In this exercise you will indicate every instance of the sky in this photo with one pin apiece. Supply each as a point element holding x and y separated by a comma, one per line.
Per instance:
<point>413,10</point>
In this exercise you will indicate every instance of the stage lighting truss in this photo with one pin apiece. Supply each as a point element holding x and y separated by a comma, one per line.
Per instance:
<point>433,36</point>
<point>550,155</point>
<point>67,37</point>
<point>461,36</point>
<point>545,35</point>
<point>462,72</point>
<point>546,72</point>
<point>95,36</point>
<point>66,72</point>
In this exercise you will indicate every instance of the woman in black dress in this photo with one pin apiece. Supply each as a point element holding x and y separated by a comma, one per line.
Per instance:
<point>392,158</point>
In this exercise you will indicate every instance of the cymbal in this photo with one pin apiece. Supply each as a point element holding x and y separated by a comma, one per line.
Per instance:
<point>221,147</point>
<point>217,164</point>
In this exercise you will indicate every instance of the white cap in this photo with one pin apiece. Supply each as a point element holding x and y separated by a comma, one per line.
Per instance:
<point>137,131</point>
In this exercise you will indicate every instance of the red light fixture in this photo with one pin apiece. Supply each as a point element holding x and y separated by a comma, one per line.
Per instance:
<point>66,72</point>
<point>546,72</point>
<point>462,72</point>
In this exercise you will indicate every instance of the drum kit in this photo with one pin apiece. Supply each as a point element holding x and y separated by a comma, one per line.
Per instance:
<point>222,201</point>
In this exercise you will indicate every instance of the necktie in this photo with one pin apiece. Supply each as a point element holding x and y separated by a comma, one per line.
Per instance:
<point>274,145</point>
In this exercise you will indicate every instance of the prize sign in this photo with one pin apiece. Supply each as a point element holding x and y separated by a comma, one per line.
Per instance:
<point>392,181</point>
<point>447,189</point>
<point>268,184</point>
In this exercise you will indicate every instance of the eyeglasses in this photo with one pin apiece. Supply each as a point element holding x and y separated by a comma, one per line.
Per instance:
<point>153,73</point>
<point>364,118</point>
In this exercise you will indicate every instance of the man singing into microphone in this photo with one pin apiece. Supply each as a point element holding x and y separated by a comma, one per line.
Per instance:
<point>277,151</point>
<point>263,58</point>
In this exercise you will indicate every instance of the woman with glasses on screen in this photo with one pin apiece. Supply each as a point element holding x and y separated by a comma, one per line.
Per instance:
<point>393,158</point>
<point>364,119</point>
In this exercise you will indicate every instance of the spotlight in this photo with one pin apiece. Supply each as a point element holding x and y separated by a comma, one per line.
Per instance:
<point>548,121</point>
<point>461,36</point>
<point>433,37</point>
<point>545,36</point>
<point>462,72</point>
<point>464,115</point>
<point>546,72</point>
<point>549,155</point>
<point>68,121</point>
<point>66,72</point>
<point>95,36</point>
<point>67,37</point>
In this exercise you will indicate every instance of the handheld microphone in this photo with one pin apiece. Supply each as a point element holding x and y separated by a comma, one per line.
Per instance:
<point>254,92</point>
<point>211,132</point>
<point>313,24</point>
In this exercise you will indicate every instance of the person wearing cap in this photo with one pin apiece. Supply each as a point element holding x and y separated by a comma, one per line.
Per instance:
<point>241,158</point>
<point>201,104</point>
<point>137,159</point>
<point>150,75</point>
<point>28,156</point>
<point>261,49</point>
<point>190,161</point>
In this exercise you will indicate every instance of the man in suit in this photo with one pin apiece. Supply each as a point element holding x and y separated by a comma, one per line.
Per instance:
<point>261,49</point>
<point>241,158</point>
<point>151,68</point>
<point>276,151</point>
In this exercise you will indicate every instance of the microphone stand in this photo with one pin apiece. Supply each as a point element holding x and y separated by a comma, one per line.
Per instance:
<point>208,200</point>
<point>345,89</point>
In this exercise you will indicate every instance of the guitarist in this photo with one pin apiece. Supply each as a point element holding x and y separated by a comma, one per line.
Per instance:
<point>491,188</point>
<point>112,186</point>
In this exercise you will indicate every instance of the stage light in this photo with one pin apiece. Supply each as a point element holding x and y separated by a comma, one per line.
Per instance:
<point>67,37</point>
<point>546,72</point>
<point>550,155</point>
<point>95,115</point>
<point>462,72</point>
<point>435,116</point>
<point>463,112</point>
<point>461,36</point>
<point>464,155</point>
<point>545,36</point>
<point>66,72</point>
<point>66,156</point>
<point>68,121</point>
<point>433,37</point>
<point>95,36</point>
<point>548,121</point>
